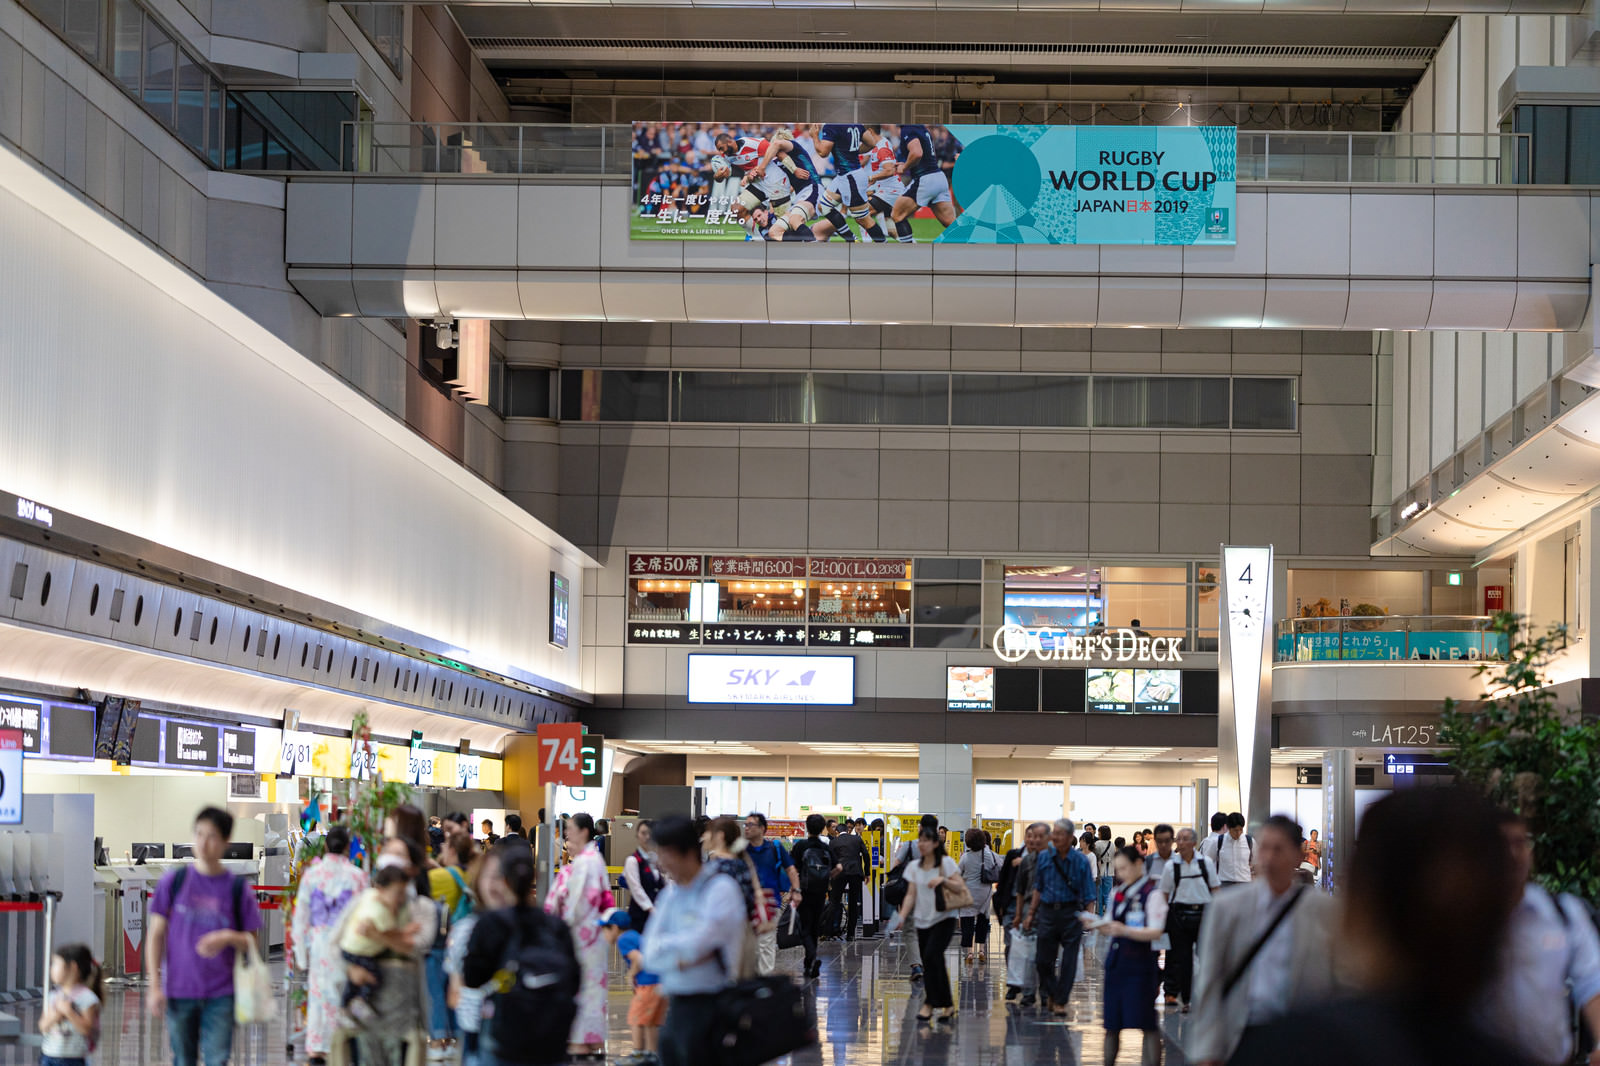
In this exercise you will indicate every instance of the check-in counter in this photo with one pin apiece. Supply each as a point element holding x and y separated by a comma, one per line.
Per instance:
<point>132,886</point>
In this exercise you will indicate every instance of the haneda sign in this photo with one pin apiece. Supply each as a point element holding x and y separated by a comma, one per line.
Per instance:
<point>1013,643</point>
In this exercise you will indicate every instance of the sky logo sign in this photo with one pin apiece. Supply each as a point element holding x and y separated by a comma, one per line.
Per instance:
<point>795,680</point>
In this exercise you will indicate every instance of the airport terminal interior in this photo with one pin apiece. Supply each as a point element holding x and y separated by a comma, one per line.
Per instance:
<point>1157,412</point>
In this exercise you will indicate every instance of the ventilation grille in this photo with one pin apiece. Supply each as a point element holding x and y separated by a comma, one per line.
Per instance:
<point>1370,53</point>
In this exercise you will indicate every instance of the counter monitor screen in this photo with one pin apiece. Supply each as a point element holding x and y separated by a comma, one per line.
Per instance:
<point>105,739</point>
<point>145,852</point>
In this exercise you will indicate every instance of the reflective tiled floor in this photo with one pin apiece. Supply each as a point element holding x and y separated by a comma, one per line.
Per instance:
<point>866,1008</point>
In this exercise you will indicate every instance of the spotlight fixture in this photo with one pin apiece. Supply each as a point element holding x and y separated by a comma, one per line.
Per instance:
<point>444,333</point>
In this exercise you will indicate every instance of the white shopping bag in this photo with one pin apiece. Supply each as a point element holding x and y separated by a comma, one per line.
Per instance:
<point>252,988</point>
<point>1021,971</point>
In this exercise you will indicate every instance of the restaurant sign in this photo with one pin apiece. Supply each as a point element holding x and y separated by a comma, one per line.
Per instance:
<point>860,569</point>
<point>1013,643</point>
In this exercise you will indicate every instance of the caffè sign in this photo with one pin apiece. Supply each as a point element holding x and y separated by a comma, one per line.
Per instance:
<point>1013,643</point>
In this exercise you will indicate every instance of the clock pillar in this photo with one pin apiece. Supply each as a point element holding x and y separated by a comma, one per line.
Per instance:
<point>1244,683</point>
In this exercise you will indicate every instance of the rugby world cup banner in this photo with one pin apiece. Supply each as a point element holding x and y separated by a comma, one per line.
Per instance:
<point>968,184</point>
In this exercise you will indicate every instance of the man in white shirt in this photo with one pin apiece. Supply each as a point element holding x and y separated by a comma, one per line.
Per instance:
<point>1264,949</point>
<point>1208,846</point>
<point>1186,880</point>
<point>1552,962</point>
<point>1236,853</point>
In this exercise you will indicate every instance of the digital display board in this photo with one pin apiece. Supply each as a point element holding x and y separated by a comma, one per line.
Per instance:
<point>969,688</point>
<point>560,600</point>
<point>1134,691</point>
<point>797,680</point>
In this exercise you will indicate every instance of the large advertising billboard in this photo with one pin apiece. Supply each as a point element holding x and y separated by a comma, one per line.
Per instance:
<point>960,184</point>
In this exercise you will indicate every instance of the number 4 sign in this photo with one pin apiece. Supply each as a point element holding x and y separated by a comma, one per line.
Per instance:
<point>561,754</point>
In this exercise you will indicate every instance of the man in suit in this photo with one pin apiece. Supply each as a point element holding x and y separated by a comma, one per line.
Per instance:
<point>1265,948</point>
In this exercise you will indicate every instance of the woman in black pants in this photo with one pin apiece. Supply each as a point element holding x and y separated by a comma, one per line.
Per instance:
<point>935,927</point>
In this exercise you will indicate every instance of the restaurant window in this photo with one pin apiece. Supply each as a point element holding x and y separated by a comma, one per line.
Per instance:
<point>613,396</point>
<point>1332,593</point>
<point>860,601</point>
<point>948,603</point>
<point>945,637</point>
<point>1150,599</point>
<point>758,601</point>
<point>661,599</point>
<point>1019,400</point>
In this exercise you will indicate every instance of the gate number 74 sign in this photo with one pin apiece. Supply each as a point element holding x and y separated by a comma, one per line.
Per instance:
<point>561,754</point>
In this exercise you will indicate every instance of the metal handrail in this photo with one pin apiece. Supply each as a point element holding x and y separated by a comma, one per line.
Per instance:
<point>501,149</point>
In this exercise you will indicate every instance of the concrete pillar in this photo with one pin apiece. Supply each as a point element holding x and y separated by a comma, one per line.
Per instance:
<point>944,783</point>
<point>1338,816</point>
<point>1202,807</point>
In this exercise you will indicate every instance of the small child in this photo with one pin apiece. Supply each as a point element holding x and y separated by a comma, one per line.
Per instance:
<point>70,1021</point>
<point>649,1008</point>
<point>372,930</point>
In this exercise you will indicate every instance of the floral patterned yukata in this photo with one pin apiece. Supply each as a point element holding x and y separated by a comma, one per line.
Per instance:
<point>326,890</point>
<point>580,896</point>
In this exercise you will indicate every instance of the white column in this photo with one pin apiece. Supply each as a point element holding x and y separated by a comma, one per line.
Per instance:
<point>944,783</point>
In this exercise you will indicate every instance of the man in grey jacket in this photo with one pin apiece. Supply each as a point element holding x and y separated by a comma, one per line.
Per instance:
<point>1265,949</point>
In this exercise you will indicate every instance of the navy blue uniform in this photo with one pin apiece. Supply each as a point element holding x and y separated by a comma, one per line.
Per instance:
<point>927,164</point>
<point>846,138</point>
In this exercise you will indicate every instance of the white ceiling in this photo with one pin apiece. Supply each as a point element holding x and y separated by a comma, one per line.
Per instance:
<point>1550,470</point>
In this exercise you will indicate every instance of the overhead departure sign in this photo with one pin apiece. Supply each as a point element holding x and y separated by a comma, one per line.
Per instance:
<point>10,777</point>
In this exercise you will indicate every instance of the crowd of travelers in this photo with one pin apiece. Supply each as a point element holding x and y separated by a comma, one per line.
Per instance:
<point>435,948</point>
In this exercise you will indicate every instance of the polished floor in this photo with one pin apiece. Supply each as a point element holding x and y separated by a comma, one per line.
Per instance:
<point>866,1011</point>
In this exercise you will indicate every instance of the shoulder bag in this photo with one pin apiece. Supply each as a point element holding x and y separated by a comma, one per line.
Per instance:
<point>953,895</point>
<point>1255,949</point>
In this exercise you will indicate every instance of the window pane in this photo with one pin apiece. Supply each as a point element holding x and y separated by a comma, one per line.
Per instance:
<point>1263,403</point>
<point>994,799</point>
<point>950,569</point>
<point>191,102</point>
<point>82,26</point>
<point>942,637</point>
<point>764,794</point>
<point>858,794</point>
<point>809,794</point>
<point>1019,400</point>
<point>528,392</point>
<point>880,399</point>
<point>1161,402</point>
<point>949,604</point>
<point>741,397</point>
<point>1042,801</point>
<point>1125,805</point>
<point>722,795</point>
<point>128,58</point>
<point>613,396</point>
<point>160,60</point>
<point>216,116</point>
<point>901,795</point>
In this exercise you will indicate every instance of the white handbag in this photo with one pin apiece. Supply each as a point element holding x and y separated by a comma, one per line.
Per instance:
<point>252,988</point>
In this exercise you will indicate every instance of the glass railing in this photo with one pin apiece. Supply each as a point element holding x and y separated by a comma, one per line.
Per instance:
<point>1389,638</point>
<point>515,149</point>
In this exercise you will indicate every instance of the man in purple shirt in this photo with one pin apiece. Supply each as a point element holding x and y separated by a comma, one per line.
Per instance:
<point>200,915</point>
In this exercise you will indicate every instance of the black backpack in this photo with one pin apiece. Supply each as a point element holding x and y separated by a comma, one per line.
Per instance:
<point>537,993</point>
<point>761,1019</point>
<point>816,867</point>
